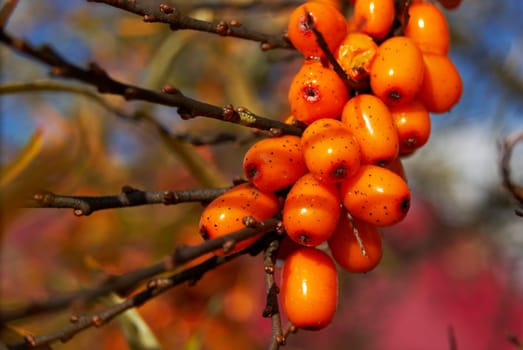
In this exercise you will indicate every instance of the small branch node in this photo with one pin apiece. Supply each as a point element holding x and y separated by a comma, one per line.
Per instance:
<point>250,221</point>
<point>169,89</point>
<point>166,9</point>
<point>222,28</point>
<point>97,321</point>
<point>169,198</point>
<point>275,132</point>
<point>229,114</point>
<point>228,245</point>
<point>235,23</point>
<point>74,318</point>
<point>79,212</point>
<point>130,93</point>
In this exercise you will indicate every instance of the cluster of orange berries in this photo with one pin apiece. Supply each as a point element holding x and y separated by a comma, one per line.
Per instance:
<point>342,180</point>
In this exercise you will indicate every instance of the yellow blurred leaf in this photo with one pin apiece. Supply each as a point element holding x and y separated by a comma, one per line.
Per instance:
<point>28,154</point>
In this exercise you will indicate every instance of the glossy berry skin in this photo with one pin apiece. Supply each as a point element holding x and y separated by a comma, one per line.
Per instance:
<point>371,123</point>
<point>316,92</point>
<point>428,28</point>
<point>376,195</point>
<point>311,211</point>
<point>397,71</point>
<point>413,124</point>
<point>225,213</point>
<point>374,17</point>
<point>330,150</point>
<point>309,288</point>
<point>346,250</point>
<point>274,163</point>
<point>355,55</point>
<point>327,19</point>
<point>442,86</point>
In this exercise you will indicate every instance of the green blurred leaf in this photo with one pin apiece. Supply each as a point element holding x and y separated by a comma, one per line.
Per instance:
<point>134,328</point>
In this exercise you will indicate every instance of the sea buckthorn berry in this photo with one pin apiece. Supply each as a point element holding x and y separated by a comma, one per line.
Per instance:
<point>396,72</point>
<point>225,213</point>
<point>412,122</point>
<point>309,288</point>
<point>376,195</point>
<point>330,150</point>
<point>450,4</point>
<point>316,92</point>
<point>311,211</point>
<point>442,86</point>
<point>355,55</point>
<point>374,17</point>
<point>274,163</point>
<point>327,19</point>
<point>396,166</point>
<point>371,123</point>
<point>347,251</point>
<point>428,28</point>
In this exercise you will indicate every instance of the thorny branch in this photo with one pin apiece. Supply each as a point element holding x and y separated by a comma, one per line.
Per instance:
<point>170,96</point>
<point>177,20</point>
<point>129,197</point>
<point>507,146</point>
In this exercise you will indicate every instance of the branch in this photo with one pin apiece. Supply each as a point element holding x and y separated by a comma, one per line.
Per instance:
<point>130,197</point>
<point>123,284</point>
<point>271,307</point>
<point>507,147</point>
<point>177,20</point>
<point>100,318</point>
<point>187,108</point>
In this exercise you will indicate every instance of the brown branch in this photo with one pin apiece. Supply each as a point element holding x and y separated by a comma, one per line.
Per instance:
<point>164,13</point>
<point>187,108</point>
<point>338,69</point>
<point>125,283</point>
<point>271,309</point>
<point>129,197</point>
<point>507,147</point>
<point>100,318</point>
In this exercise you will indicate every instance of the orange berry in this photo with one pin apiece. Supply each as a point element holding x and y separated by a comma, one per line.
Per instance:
<point>428,28</point>
<point>450,4</point>
<point>330,150</point>
<point>442,86</point>
<point>355,55</point>
<point>374,17</point>
<point>396,166</point>
<point>376,195</point>
<point>311,210</point>
<point>316,92</point>
<point>371,123</point>
<point>327,19</point>
<point>274,163</point>
<point>346,249</point>
<point>309,288</point>
<point>225,213</point>
<point>412,122</point>
<point>396,72</point>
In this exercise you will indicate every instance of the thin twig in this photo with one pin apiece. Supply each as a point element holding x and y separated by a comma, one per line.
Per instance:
<point>177,20</point>
<point>125,283</point>
<point>271,309</point>
<point>100,318</point>
<point>187,108</point>
<point>507,146</point>
<point>129,197</point>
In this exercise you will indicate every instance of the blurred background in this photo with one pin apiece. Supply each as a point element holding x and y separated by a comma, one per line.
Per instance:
<point>452,269</point>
